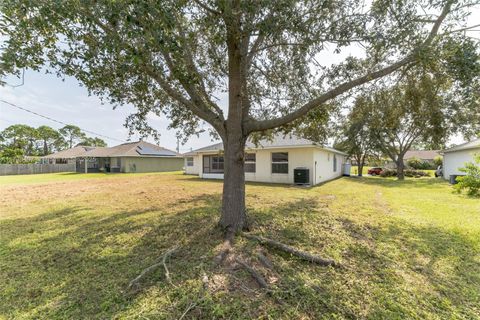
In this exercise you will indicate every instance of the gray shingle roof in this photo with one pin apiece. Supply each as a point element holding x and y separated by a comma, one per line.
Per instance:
<point>464,146</point>
<point>421,154</point>
<point>69,153</point>
<point>278,141</point>
<point>132,149</point>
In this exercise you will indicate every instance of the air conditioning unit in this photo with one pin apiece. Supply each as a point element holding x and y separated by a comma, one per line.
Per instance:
<point>301,176</point>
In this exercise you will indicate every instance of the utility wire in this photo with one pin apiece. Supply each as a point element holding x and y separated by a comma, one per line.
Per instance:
<point>58,121</point>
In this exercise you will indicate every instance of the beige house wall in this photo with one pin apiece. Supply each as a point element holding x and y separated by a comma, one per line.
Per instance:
<point>452,161</point>
<point>323,164</point>
<point>153,164</point>
<point>197,165</point>
<point>297,157</point>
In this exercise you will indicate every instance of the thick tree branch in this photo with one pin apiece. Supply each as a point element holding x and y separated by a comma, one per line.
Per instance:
<point>255,125</point>
<point>196,104</point>
<point>252,125</point>
<point>189,61</point>
<point>207,8</point>
<point>210,117</point>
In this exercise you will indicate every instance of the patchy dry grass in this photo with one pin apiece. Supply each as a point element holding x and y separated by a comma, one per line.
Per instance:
<point>69,246</point>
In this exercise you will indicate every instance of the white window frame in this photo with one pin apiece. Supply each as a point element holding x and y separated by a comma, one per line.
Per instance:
<point>279,162</point>
<point>254,162</point>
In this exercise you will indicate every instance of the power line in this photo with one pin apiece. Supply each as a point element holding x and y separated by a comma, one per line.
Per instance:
<point>58,121</point>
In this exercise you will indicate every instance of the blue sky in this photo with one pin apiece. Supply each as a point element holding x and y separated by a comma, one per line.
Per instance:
<point>69,102</point>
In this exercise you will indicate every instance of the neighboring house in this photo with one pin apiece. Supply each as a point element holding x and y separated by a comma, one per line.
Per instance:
<point>456,157</point>
<point>424,155</point>
<point>65,156</point>
<point>137,156</point>
<point>272,161</point>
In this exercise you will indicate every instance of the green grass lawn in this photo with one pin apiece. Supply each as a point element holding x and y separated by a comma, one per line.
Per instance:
<point>354,170</point>
<point>70,245</point>
<point>61,177</point>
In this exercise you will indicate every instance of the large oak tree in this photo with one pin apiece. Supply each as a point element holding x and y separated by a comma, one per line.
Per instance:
<point>175,57</point>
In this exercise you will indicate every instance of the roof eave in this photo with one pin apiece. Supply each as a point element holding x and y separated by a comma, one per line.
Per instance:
<point>195,153</point>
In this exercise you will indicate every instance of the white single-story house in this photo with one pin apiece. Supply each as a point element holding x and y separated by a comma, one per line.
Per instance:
<point>281,160</point>
<point>456,157</point>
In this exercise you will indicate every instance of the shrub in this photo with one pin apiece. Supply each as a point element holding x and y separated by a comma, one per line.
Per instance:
<point>426,166</point>
<point>471,180</point>
<point>414,162</point>
<point>416,173</point>
<point>418,164</point>
<point>407,172</point>
<point>438,161</point>
<point>389,173</point>
<point>12,155</point>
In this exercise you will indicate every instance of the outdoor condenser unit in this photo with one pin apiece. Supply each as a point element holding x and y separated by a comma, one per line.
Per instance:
<point>301,176</point>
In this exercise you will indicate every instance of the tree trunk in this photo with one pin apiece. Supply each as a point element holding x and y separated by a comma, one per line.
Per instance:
<point>233,203</point>
<point>45,147</point>
<point>360,163</point>
<point>400,168</point>
<point>360,169</point>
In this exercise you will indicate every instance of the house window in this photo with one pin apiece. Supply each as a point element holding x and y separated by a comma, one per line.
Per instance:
<point>114,162</point>
<point>213,164</point>
<point>280,162</point>
<point>190,162</point>
<point>334,163</point>
<point>250,162</point>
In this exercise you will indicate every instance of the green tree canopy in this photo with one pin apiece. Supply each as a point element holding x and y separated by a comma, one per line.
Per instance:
<point>416,110</point>
<point>20,136</point>
<point>93,142</point>
<point>72,135</point>
<point>50,139</point>
<point>354,135</point>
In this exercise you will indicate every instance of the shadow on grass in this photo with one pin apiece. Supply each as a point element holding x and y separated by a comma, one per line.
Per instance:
<point>195,178</point>
<point>394,183</point>
<point>83,270</point>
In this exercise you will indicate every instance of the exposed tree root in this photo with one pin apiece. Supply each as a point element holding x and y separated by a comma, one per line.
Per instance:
<point>264,260</point>
<point>226,248</point>
<point>161,261</point>
<point>258,278</point>
<point>301,254</point>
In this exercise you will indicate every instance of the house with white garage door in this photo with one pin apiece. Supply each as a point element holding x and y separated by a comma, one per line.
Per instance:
<point>282,159</point>
<point>456,157</point>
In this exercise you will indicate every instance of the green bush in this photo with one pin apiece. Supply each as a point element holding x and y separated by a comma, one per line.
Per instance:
<point>415,173</point>
<point>407,172</point>
<point>389,173</point>
<point>438,161</point>
<point>414,162</point>
<point>12,155</point>
<point>471,180</point>
<point>418,164</point>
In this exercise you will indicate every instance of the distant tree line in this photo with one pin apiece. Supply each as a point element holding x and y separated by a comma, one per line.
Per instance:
<point>20,140</point>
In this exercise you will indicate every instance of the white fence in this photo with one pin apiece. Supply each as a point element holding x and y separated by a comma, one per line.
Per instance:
<point>33,168</point>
